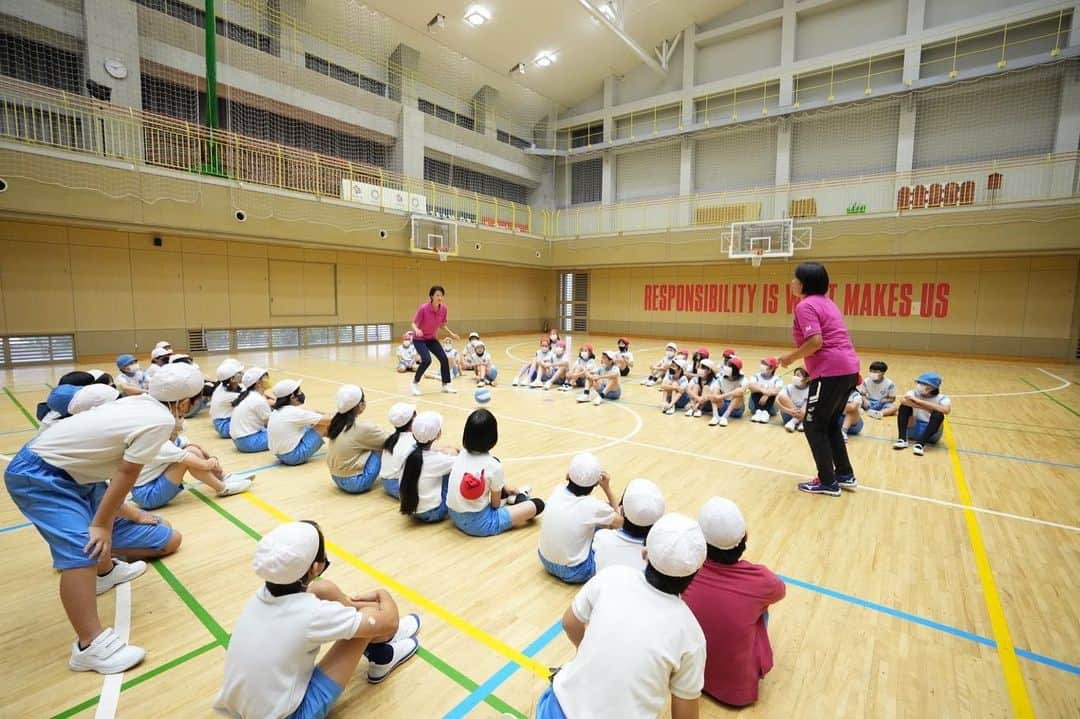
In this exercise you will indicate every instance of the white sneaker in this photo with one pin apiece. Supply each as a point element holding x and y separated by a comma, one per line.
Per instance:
<point>403,651</point>
<point>900,444</point>
<point>669,410</point>
<point>801,427</point>
<point>697,412</point>
<point>547,386</point>
<point>415,388</point>
<point>722,421</point>
<point>917,449</point>
<point>597,399</point>
<point>714,421</point>
<point>408,627</point>
<point>874,413</point>
<point>481,383</point>
<point>449,388</point>
<point>235,484</point>
<point>514,383</point>
<point>120,573</point>
<point>843,433</point>
<point>536,383</point>
<point>790,426</point>
<point>565,388</point>
<point>584,398</point>
<point>763,416</point>
<point>107,654</point>
<point>690,412</point>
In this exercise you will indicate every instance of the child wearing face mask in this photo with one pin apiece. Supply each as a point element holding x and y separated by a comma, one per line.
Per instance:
<point>921,414</point>
<point>131,380</point>
<point>764,387</point>
<point>699,388</point>
<point>560,365</point>
<point>483,366</point>
<point>582,365</point>
<point>604,382</point>
<point>531,373</point>
<point>728,396</point>
<point>673,387</point>
<point>452,357</point>
<point>468,355</point>
<point>792,401</point>
<point>624,358</point>
<point>851,422</point>
<point>294,434</point>
<point>878,392</point>
<point>408,359</point>
<point>659,370</point>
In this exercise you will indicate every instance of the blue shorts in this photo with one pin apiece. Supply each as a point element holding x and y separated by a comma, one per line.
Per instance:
<point>156,493</point>
<point>682,401</point>
<point>580,382</point>
<point>363,482</point>
<point>548,707</point>
<point>920,429</point>
<point>879,404</point>
<point>544,376</point>
<point>577,574</point>
<point>322,692</point>
<point>310,443</point>
<point>855,428</point>
<point>222,427</point>
<point>61,510</point>
<point>486,523</point>
<point>258,442</point>
<point>437,514</point>
<point>613,394</point>
<point>196,408</point>
<point>735,413</point>
<point>392,486</point>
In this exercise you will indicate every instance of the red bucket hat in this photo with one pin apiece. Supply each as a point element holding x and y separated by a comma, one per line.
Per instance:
<point>473,487</point>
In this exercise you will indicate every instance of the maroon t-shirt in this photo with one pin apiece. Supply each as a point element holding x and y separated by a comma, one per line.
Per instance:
<point>729,601</point>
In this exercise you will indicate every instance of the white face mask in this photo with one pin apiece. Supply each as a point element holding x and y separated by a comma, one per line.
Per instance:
<point>584,355</point>
<point>670,354</point>
<point>407,343</point>
<point>924,390</point>
<point>133,368</point>
<point>877,376</point>
<point>559,351</point>
<point>764,368</point>
<point>554,338</point>
<point>726,371</point>
<point>801,382</point>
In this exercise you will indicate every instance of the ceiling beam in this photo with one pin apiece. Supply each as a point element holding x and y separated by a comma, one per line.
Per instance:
<point>641,52</point>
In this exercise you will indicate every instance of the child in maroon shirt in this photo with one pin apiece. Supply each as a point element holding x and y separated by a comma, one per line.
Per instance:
<point>730,598</point>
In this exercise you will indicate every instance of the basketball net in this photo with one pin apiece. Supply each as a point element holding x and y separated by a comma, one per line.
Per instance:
<point>756,258</point>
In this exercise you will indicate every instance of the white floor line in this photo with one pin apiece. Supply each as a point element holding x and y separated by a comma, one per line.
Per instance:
<point>722,460</point>
<point>110,687</point>
<point>1065,384</point>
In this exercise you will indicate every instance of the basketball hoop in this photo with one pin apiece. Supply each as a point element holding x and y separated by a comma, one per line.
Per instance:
<point>759,254</point>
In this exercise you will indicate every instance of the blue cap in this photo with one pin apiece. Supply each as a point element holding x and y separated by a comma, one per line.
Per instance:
<point>60,398</point>
<point>930,379</point>
<point>124,360</point>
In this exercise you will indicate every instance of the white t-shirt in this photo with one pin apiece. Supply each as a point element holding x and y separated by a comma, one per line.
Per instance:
<point>474,464</point>
<point>250,416</point>
<point>796,395</point>
<point>569,523</point>
<point>287,426</point>
<point>90,445</point>
<point>168,454</point>
<point>485,358</point>
<point>558,360</point>
<point>730,385</point>
<point>774,381</point>
<point>640,645</point>
<point>406,355</point>
<point>451,355</point>
<point>393,462</point>
<point>221,402</point>
<point>879,390</point>
<point>615,547</point>
<point>921,415</point>
<point>470,354</point>
<point>628,356</point>
<point>854,397</point>
<point>436,466</point>
<point>139,380</point>
<point>683,383</point>
<point>272,652</point>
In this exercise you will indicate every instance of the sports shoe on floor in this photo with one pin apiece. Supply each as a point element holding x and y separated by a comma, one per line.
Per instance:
<point>415,388</point>
<point>689,412</point>
<point>597,399</point>
<point>107,654</point>
<point>669,410</point>
<point>536,383</point>
<point>697,412</point>
<point>723,422</point>
<point>584,398</point>
<point>815,486</point>
<point>874,413</point>
<point>408,627</point>
<point>403,651</point>
<point>235,484</point>
<point>714,421</point>
<point>843,433</point>
<point>791,424</point>
<point>917,449</point>
<point>900,444</point>
<point>120,573</point>
<point>565,388</point>
<point>481,383</point>
<point>521,496</point>
<point>449,388</point>
<point>801,427</point>
<point>547,386</point>
<point>847,481</point>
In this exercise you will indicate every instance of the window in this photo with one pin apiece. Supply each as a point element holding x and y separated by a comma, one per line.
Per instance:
<point>446,114</point>
<point>344,74</point>
<point>462,177</point>
<point>574,301</point>
<point>587,135</point>
<point>285,337</point>
<point>40,64</point>
<point>586,181</point>
<point>249,339</point>
<point>209,340</point>
<point>197,17</point>
<point>345,335</point>
<point>39,349</point>
<point>509,139</point>
<point>319,335</point>
<point>372,333</point>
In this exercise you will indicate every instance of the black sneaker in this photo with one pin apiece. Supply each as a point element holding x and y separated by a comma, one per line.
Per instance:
<point>815,486</point>
<point>847,481</point>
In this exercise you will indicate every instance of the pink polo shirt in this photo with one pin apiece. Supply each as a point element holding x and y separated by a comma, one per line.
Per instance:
<point>818,315</point>
<point>429,320</point>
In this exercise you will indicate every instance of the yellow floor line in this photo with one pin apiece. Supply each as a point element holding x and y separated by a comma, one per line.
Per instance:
<point>1010,665</point>
<point>416,597</point>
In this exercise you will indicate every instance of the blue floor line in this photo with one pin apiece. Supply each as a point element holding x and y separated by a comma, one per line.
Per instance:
<point>13,527</point>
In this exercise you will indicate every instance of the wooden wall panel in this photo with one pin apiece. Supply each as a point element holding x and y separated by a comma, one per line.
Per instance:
<point>101,286</point>
<point>158,285</point>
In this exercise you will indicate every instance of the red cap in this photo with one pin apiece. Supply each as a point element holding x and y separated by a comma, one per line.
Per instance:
<point>728,352</point>
<point>702,352</point>
<point>771,361</point>
<point>735,362</point>
<point>587,347</point>
<point>624,340</point>
<point>561,343</point>
<point>473,487</point>
<point>545,340</point>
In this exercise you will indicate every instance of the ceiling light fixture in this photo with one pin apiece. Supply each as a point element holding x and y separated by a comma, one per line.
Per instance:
<point>477,16</point>
<point>608,9</point>
<point>436,23</point>
<point>519,69</point>
<point>545,59</point>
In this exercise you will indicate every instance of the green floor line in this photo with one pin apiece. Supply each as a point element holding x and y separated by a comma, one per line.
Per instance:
<point>1051,397</point>
<point>215,629</point>
<point>22,409</point>
<point>145,676</point>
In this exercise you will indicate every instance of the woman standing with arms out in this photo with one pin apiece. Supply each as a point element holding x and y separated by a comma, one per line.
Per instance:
<point>822,340</point>
<point>429,319</point>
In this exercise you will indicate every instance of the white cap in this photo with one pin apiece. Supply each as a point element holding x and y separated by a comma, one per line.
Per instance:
<point>163,344</point>
<point>642,502</point>
<point>348,397</point>
<point>401,413</point>
<point>159,352</point>
<point>426,427</point>
<point>175,382</point>
<point>285,387</point>
<point>229,368</point>
<point>610,354</point>
<point>722,523</point>
<point>474,334</point>
<point>95,373</point>
<point>708,363</point>
<point>676,546</point>
<point>685,364</point>
<point>251,376</point>
<point>671,346</point>
<point>285,553</point>
<point>584,469</point>
<point>90,396</point>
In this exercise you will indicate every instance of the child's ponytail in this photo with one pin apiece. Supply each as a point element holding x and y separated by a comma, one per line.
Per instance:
<point>409,487</point>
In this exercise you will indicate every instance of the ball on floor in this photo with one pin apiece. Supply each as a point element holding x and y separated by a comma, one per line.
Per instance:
<point>482,395</point>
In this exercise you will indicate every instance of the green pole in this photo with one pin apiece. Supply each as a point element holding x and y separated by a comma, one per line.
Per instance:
<point>210,34</point>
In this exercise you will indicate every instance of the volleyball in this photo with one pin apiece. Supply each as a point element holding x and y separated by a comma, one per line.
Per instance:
<point>482,395</point>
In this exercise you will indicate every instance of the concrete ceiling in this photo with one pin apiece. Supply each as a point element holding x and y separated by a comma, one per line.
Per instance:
<point>519,30</point>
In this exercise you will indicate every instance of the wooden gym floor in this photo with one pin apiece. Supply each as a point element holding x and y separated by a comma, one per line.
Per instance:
<point>902,597</point>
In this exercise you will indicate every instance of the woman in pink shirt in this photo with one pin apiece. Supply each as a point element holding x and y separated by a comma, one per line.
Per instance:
<point>429,319</point>
<point>823,340</point>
